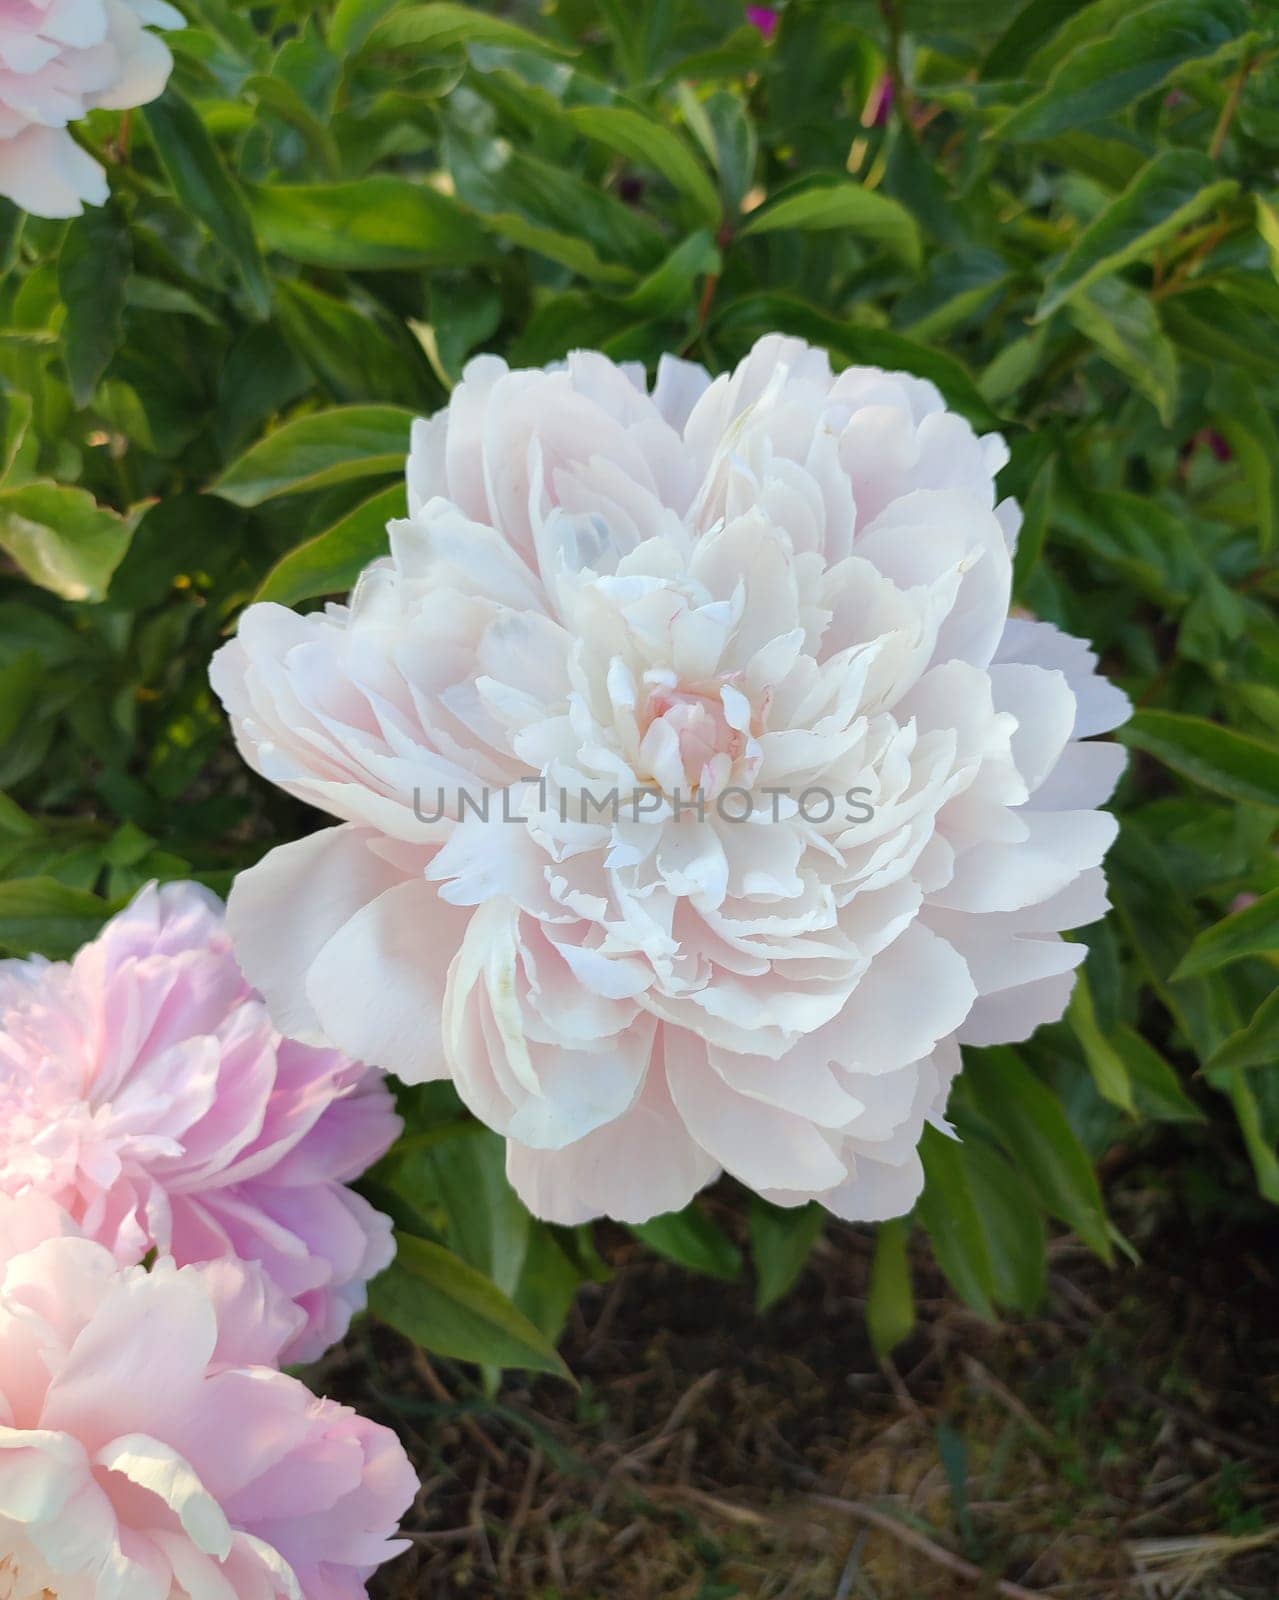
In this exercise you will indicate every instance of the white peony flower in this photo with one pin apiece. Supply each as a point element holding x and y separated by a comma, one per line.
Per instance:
<point>780,599</point>
<point>59,60</point>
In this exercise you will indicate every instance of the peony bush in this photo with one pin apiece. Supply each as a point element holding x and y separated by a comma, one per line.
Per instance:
<point>720,344</point>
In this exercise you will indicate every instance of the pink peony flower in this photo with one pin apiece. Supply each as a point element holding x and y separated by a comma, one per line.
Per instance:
<point>150,1451</point>
<point>143,1088</point>
<point>765,18</point>
<point>59,60</point>
<point>698,796</point>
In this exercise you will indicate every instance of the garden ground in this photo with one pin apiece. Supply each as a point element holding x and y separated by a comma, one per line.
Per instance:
<point>1121,1443</point>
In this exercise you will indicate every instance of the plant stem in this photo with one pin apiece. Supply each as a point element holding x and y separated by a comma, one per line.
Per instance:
<point>1220,132</point>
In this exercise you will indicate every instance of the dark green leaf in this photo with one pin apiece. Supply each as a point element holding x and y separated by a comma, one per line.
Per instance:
<point>845,206</point>
<point>380,223</point>
<point>315,451</point>
<point>332,561</point>
<point>890,1308</point>
<point>1230,763</point>
<point>1039,1139</point>
<point>20,682</point>
<point>1013,1224</point>
<point>643,140</point>
<point>1155,1085</point>
<point>1139,55</point>
<point>1253,931</point>
<point>1171,191</point>
<point>692,1240</point>
<point>1105,1062</point>
<point>439,26</point>
<point>93,270</point>
<point>202,182</point>
<point>1256,1044</point>
<point>952,1215</point>
<point>1034,526</point>
<point>781,1239</point>
<point>40,916</point>
<point>439,1302</point>
<point>1123,324</point>
<point>1261,1150</point>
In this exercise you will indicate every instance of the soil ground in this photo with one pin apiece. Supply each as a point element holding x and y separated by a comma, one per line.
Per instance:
<point>1121,1443</point>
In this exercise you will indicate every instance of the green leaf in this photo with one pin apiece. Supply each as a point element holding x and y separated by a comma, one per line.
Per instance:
<point>348,348</point>
<point>952,1215</point>
<point>890,1308</point>
<point>569,250</point>
<point>1220,328</point>
<point>1256,1044</point>
<point>1248,426</point>
<point>1261,1152</point>
<point>1124,326</point>
<point>692,1240</point>
<point>781,1239</point>
<point>15,419</point>
<point>332,561</point>
<point>484,1220</point>
<point>1229,763</point>
<point>435,1299</point>
<point>647,142</point>
<point>1036,1133</point>
<point>842,205</point>
<point>1107,1065</point>
<point>40,916</point>
<point>378,224</point>
<point>548,1282</point>
<point>62,539</point>
<point>275,94</point>
<point>1268,228</point>
<point>726,131</point>
<point>315,451</point>
<point>1254,931</point>
<point>439,26</point>
<point>93,270</point>
<point>1034,525</point>
<point>15,821</point>
<point>206,189</point>
<point>1172,190</point>
<point>1014,1227</point>
<point>1107,74</point>
<point>669,289</point>
<point>1158,921</point>
<point>20,683</point>
<point>1025,35</point>
<point>352,22</point>
<point>1155,1084</point>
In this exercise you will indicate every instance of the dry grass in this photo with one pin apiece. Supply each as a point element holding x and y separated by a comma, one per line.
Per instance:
<point>1123,1443</point>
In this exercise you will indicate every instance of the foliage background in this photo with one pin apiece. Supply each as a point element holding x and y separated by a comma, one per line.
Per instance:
<point>1063,213</point>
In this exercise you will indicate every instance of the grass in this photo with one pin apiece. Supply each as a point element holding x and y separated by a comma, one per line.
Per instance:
<point>1122,1442</point>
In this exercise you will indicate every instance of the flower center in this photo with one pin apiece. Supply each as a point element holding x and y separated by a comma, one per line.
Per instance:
<point>697,737</point>
<point>12,1586</point>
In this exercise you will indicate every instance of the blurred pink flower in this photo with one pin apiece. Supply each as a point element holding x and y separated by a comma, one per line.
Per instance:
<point>59,60</point>
<point>148,1449</point>
<point>879,104</point>
<point>144,1088</point>
<point>765,18</point>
